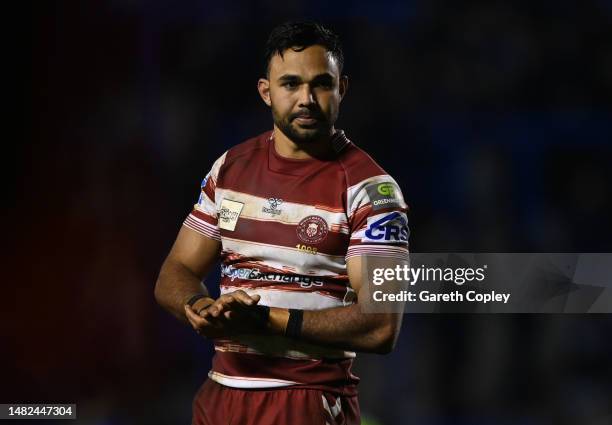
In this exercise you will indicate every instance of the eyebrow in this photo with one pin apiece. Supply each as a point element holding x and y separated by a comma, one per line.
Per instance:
<point>325,77</point>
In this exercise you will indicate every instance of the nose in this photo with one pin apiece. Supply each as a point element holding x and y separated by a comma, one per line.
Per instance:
<point>306,96</point>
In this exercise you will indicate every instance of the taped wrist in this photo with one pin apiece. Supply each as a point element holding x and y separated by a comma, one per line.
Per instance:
<point>294,325</point>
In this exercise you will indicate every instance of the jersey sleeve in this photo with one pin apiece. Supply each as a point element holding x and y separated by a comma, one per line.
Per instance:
<point>377,219</point>
<point>203,217</point>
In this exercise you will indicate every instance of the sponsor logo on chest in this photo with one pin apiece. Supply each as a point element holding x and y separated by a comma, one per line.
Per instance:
<point>255,274</point>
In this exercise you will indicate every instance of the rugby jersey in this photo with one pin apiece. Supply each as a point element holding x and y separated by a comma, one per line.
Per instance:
<point>286,228</point>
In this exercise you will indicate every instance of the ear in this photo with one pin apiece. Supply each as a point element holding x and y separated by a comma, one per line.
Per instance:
<point>343,87</point>
<point>263,87</point>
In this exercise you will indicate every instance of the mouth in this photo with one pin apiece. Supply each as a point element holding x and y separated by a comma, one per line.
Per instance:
<point>306,120</point>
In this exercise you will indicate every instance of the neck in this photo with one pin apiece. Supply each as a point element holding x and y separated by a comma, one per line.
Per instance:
<point>289,149</point>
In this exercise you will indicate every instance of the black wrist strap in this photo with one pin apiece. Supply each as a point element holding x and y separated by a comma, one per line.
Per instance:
<point>193,299</point>
<point>294,325</point>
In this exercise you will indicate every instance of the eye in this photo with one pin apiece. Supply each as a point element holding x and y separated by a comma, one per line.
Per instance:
<point>325,85</point>
<point>290,84</point>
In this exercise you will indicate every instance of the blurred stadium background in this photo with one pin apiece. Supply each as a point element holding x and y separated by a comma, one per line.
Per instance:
<point>495,118</point>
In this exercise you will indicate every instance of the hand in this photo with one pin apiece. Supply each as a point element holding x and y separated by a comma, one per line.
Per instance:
<point>221,317</point>
<point>229,305</point>
<point>207,328</point>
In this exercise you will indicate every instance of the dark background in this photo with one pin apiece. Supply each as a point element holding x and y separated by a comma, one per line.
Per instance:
<point>494,117</point>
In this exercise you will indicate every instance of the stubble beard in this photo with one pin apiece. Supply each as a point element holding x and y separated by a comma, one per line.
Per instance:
<point>300,135</point>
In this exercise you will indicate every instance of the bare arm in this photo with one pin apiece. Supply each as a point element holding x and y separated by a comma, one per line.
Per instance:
<point>350,329</point>
<point>347,328</point>
<point>189,261</point>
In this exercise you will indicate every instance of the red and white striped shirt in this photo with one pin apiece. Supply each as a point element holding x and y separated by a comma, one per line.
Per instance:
<point>287,227</point>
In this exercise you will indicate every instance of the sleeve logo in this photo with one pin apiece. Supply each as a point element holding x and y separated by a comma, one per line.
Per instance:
<point>383,195</point>
<point>386,189</point>
<point>390,228</point>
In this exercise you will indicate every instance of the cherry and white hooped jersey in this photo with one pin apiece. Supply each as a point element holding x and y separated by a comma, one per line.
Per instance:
<point>287,228</point>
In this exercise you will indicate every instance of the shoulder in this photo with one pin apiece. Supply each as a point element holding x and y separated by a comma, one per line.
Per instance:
<point>245,149</point>
<point>359,166</point>
<point>248,147</point>
<point>367,181</point>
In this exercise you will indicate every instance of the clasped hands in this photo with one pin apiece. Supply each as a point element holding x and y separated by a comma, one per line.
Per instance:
<point>229,314</point>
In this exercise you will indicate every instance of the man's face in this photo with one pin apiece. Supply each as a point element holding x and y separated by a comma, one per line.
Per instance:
<point>304,90</point>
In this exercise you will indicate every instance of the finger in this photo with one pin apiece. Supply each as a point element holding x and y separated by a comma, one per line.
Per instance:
<point>202,326</point>
<point>191,316</point>
<point>203,310</point>
<point>228,302</point>
<point>204,313</point>
<point>209,318</point>
<point>244,298</point>
<point>215,310</point>
<point>195,320</point>
<point>223,303</point>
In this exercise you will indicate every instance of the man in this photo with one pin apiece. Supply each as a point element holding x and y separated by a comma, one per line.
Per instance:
<point>297,215</point>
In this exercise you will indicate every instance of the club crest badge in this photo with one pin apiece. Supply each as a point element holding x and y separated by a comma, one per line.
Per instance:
<point>312,229</point>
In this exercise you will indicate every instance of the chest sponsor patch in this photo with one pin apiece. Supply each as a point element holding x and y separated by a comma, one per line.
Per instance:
<point>229,213</point>
<point>383,195</point>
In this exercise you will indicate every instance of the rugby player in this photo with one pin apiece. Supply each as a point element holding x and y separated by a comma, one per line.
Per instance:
<point>296,215</point>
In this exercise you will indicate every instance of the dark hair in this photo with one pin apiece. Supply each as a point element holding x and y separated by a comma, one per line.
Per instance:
<point>298,35</point>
